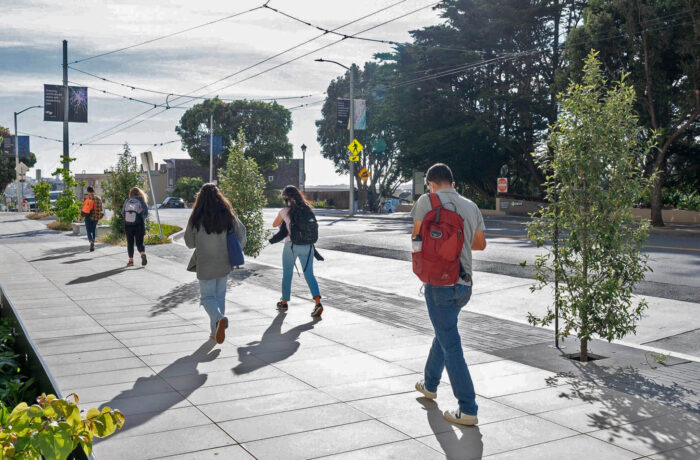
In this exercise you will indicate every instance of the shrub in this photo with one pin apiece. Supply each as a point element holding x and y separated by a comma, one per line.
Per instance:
<point>120,179</point>
<point>60,226</point>
<point>52,428</point>
<point>241,182</point>
<point>187,188</point>
<point>14,387</point>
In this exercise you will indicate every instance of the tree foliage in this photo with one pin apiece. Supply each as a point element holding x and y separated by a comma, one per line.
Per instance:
<point>593,178</point>
<point>264,124</point>
<point>241,182</point>
<point>7,162</point>
<point>187,188</point>
<point>42,196</point>
<point>120,179</point>
<point>655,42</point>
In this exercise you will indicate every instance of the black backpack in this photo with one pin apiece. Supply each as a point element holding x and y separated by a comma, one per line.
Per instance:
<point>304,226</point>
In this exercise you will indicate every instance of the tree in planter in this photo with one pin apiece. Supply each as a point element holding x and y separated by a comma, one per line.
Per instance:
<point>592,180</point>
<point>187,188</point>
<point>241,182</point>
<point>67,206</point>
<point>120,179</point>
<point>42,196</point>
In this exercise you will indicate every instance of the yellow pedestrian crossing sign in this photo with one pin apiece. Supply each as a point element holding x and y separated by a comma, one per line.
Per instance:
<point>354,158</point>
<point>355,148</point>
<point>364,174</point>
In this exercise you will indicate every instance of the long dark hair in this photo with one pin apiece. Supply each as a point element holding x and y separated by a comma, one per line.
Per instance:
<point>212,210</point>
<point>295,198</point>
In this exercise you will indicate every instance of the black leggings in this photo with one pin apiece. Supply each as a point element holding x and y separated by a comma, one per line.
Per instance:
<point>134,232</point>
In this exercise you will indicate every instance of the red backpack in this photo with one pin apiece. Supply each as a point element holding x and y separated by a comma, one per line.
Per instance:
<point>442,232</point>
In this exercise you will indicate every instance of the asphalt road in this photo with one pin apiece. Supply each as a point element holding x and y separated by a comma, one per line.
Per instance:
<point>675,260</point>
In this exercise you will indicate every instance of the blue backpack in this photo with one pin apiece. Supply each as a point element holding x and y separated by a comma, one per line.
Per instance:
<point>235,251</point>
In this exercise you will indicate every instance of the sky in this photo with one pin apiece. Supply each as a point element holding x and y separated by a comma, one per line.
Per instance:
<point>31,54</point>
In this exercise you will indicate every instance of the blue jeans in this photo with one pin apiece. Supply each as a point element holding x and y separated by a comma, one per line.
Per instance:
<point>444,304</point>
<point>213,294</point>
<point>305,254</point>
<point>90,228</point>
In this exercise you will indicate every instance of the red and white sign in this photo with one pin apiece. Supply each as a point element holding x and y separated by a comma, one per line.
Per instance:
<point>502,185</point>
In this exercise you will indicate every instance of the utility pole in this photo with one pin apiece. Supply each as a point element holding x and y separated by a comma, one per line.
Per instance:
<point>351,212</point>
<point>303,167</point>
<point>211,148</point>
<point>351,206</point>
<point>66,105</point>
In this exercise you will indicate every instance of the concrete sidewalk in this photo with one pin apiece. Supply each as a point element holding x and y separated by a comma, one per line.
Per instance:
<point>284,386</point>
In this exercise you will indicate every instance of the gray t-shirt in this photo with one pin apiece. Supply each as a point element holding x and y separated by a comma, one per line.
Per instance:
<point>473,220</point>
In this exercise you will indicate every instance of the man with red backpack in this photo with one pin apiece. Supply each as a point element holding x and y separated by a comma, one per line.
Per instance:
<point>92,210</point>
<point>446,228</point>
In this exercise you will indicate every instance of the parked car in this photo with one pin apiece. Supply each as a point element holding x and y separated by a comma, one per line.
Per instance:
<point>53,196</point>
<point>172,202</point>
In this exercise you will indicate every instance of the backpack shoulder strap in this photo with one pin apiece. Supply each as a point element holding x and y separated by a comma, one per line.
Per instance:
<point>435,200</point>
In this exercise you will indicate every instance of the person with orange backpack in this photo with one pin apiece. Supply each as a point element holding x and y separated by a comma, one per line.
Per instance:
<point>92,210</point>
<point>446,228</point>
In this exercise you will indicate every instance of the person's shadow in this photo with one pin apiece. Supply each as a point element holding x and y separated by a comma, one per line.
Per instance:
<point>273,346</point>
<point>152,395</point>
<point>469,446</point>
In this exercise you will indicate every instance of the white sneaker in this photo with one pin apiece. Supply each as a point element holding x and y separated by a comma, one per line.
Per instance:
<point>420,386</point>
<point>456,416</point>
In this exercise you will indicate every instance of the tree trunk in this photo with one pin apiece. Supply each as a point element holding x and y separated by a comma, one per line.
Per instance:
<point>657,203</point>
<point>584,351</point>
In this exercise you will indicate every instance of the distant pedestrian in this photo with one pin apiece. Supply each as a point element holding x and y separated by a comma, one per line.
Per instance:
<point>298,217</point>
<point>135,212</point>
<point>92,210</point>
<point>211,219</point>
<point>446,228</point>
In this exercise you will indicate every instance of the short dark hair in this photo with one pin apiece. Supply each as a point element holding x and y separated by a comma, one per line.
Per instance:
<point>90,189</point>
<point>439,173</point>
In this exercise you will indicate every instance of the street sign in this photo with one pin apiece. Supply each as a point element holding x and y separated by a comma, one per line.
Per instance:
<point>147,161</point>
<point>502,185</point>
<point>364,174</point>
<point>355,147</point>
<point>23,147</point>
<point>21,168</point>
<point>354,158</point>
<point>77,108</point>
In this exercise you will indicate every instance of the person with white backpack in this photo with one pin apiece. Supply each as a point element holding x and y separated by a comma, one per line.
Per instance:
<point>135,212</point>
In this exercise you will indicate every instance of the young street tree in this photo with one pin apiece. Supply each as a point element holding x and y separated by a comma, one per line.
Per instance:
<point>592,180</point>
<point>241,182</point>
<point>264,124</point>
<point>120,179</point>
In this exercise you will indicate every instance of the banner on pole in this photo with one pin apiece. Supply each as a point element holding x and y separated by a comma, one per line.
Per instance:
<point>343,114</point>
<point>360,114</point>
<point>77,100</point>
<point>9,146</point>
<point>218,146</point>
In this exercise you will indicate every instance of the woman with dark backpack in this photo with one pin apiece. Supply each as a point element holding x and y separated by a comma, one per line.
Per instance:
<point>207,232</point>
<point>135,212</point>
<point>298,217</point>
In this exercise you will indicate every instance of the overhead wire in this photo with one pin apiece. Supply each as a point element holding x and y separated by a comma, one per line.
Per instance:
<point>152,40</point>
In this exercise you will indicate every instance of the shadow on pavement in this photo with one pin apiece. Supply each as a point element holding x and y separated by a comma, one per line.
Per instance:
<point>98,276</point>
<point>273,346</point>
<point>658,427</point>
<point>148,396</point>
<point>464,443</point>
<point>61,253</point>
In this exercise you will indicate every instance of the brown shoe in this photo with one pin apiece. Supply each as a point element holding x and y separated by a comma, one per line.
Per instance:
<point>130,264</point>
<point>221,330</point>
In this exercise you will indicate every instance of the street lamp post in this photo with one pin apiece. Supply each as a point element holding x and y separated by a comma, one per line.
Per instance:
<point>303,167</point>
<point>351,205</point>
<point>18,194</point>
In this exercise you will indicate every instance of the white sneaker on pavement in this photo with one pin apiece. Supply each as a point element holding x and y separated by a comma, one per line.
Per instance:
<point>420,386</point>
<point>456,416</point>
